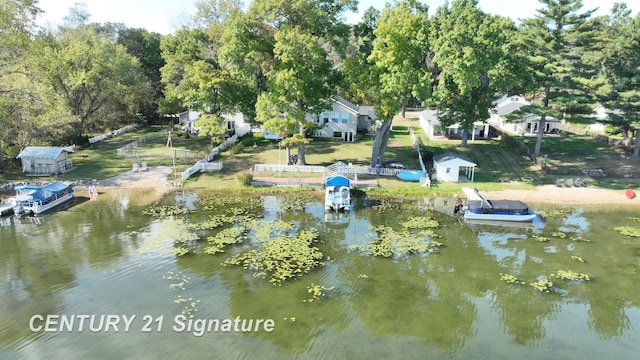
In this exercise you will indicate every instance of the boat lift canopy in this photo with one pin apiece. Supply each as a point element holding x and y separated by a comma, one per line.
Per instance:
<point>338,180</point>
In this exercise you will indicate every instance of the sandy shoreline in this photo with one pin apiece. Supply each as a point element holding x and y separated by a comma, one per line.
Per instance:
<point>152,178</point>
<point>551,194</point>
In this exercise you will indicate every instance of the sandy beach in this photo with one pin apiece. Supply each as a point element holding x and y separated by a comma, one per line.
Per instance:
<point>551,194</point>
<point>152,178</point>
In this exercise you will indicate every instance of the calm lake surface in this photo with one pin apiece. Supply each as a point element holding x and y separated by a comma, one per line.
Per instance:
<point>106,258</point>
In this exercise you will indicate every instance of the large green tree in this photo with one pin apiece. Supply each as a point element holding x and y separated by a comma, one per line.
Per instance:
<point>468,46</point>
<point>359,81</point>
<point>281,51</point>
<point>400,50</point>
<point>145,46</point>
<point>553,42</point>
<point>94,82</point>
<point>16,18</point>
<point>618,60</point>
<point>192,73</point>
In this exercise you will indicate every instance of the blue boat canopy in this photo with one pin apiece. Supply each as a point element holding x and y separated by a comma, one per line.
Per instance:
<point>32,192</point>
<point>337,180</point>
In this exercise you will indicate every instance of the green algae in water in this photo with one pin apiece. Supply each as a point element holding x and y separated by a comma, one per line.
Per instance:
<point>628,231</point>
<point>570,275</point>
<point>390,242</point>
<point>282,258</point>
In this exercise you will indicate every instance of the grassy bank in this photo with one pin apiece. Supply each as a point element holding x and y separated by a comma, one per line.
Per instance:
<point>494,159</point>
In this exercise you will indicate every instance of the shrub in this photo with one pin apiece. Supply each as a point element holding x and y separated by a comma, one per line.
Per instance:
<point>244,178</point>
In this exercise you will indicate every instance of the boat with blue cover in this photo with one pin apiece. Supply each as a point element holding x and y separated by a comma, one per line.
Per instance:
<point>479,208</point>
<point>34,200</point>
<point>337,193</point>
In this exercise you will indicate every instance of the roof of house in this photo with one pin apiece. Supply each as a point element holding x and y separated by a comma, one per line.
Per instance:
<point>451,156</point>
<point>346,103</point>
<point>42,152</point>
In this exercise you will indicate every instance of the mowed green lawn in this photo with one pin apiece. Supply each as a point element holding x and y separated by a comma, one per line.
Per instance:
<point>494,159</point>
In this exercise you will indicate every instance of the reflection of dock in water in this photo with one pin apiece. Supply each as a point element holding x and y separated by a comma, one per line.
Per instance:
<point>337,219</point>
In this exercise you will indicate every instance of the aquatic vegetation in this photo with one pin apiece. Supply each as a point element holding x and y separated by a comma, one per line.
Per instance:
<point>162,211</point>
<point>570,275</point>
<point>181,250</point>
<point>393,243</point>
<point>282,258</point>
<point>420,222</point>
<point>559,234</point>
<point>296,202</point>
<point>632,218</point>
<point>540,238</point>
<point>222,239</point>
<point>265,230</point>
<point>385,205</point>
<point>317,292</point>
<point>363,276</point>
<point>554,213</point>
<point>628,231</point>
<point>224,202</point>
<point>579,239</point>
<point>510,279</point>
<point>577,258</point>
<point>179,280</point>
<point>542,285</point>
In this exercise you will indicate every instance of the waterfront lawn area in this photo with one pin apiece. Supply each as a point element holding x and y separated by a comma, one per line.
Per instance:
<point>495,160</point>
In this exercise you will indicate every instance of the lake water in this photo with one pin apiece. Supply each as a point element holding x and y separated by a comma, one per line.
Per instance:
<point>105,262</point>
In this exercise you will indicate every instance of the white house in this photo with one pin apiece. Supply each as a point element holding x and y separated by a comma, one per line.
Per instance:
<point>527,124</point>
<point>231,122</point>
<point>45,160</point>
<point>431,125</point>
<point>342,121</point>
<point>448,166</point>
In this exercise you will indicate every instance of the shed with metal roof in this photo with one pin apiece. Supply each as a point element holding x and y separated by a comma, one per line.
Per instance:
<point>45,160</point>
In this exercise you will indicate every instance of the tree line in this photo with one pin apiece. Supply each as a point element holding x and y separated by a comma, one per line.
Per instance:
<point>277,60</point>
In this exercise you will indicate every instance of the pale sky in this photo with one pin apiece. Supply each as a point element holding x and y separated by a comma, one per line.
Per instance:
<point>164,16</point>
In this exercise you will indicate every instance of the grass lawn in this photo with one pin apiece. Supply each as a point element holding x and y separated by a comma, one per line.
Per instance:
<point>495,160</point>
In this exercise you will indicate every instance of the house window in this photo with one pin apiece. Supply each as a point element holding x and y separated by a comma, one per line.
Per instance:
<point>345,118</point>
<point>335,117</point>
<point>448,170</point>
<point>515,98</point>
<point>325,117</point>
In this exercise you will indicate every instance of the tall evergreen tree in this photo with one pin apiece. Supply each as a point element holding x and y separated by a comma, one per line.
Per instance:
<point>618,60</point>
<point>554,41</point>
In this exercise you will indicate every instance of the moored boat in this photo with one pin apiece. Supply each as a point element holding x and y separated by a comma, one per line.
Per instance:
<point>479,208</point>
<point>337,194</point>
<point>35,200</point>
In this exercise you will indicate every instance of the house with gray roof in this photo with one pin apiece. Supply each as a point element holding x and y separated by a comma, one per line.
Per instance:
<point>45,160</point>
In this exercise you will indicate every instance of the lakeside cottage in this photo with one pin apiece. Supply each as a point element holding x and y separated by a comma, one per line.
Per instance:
<point>45,160</point>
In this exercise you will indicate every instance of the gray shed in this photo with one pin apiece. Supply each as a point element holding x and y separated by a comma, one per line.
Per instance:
<point>45,160</point>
